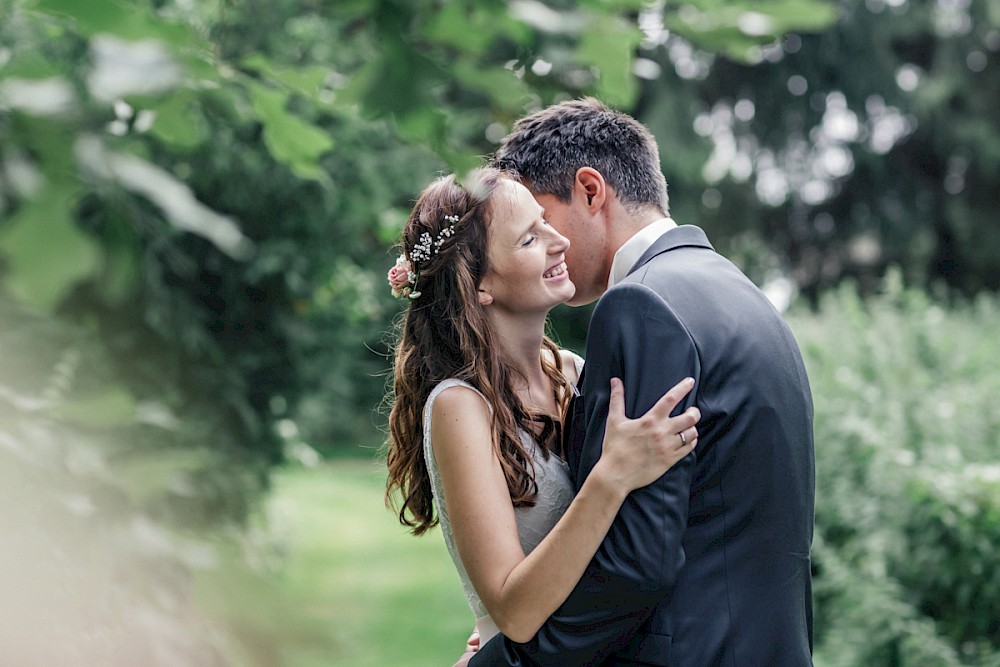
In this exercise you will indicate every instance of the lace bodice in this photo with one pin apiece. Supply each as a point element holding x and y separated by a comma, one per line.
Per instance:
<point>555,492</point>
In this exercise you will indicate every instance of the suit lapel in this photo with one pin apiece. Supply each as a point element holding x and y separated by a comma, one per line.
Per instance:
<point>574,427</point>
<point>678,237</point>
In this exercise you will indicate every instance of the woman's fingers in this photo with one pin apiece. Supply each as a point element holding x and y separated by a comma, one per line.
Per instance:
<point>671,428</point>
<point>660,410</point>
<point>690,439</point>
<point>638,451</point>
<point>684,420</point>
<point>616,406</point>
<point>658,417</point>
<point>663,407</point>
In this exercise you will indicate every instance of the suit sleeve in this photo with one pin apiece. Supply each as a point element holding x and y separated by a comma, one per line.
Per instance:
<point>634,336</point>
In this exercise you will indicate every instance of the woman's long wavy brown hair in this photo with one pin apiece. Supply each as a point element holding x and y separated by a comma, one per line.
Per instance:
<point>445,333</point>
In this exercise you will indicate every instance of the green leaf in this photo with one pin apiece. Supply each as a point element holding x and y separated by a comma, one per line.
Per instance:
<point>736,28</point>
<point>51,142</point>
<point>122,19</point>
<point>614,5</point>
<point>503,88</point>
<point>460,161</point>
<point>609,45</point>
<point>799,15</point>
<point>403,80</point>
<point>463,28</point>
<point>289,139</point>
<point>728,40</point>
<point>122,262</point>
<point>349,9</point>
<point>179,121</point>
<point>423,124</point>
<point>46,253</point>
<point>308,81</point>
<point>30,65</point>
<point>358,84</point>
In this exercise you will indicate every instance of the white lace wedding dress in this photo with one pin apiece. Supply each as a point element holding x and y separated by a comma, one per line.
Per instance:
<point>555,492</point>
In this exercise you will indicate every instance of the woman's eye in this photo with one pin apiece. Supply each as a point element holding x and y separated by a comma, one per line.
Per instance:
<point>528,241</point>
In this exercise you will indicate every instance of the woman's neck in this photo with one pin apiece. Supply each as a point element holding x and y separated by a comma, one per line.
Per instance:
<point>521,341</point>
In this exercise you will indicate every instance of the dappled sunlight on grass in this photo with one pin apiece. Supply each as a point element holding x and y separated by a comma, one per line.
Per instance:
<point>384,596</point>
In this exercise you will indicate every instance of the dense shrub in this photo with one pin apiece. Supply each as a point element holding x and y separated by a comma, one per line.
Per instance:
<point>950,565</point>
<point>908,497</point>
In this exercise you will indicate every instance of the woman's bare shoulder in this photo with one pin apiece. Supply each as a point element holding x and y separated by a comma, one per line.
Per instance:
<point>459,399</point>
<point>569,367</point>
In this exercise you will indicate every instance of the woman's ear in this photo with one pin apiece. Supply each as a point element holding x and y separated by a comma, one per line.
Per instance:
<point>485,298</point>
<point>590,186</point>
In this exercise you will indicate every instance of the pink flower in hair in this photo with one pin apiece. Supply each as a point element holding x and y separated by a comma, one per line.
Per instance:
<point>402,278</point>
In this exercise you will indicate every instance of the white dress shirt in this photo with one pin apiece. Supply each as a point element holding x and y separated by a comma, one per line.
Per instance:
<point>632,250</point>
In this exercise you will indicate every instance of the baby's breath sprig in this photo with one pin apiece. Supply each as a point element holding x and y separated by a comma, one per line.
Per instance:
<point>403,277</point>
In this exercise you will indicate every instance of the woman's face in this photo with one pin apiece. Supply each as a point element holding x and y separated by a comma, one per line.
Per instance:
<point>527,269</point>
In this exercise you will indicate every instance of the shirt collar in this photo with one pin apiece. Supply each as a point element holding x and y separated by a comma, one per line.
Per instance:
<point>630,251</point>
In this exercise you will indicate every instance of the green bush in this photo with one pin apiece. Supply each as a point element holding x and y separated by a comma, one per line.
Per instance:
<point>950,566</point>
<point>908,505</point>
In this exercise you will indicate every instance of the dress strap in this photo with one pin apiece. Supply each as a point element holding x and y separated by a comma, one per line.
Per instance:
<point>440,387</point>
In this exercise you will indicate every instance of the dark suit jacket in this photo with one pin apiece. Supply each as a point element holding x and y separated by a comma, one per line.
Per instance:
<point>709,565</point>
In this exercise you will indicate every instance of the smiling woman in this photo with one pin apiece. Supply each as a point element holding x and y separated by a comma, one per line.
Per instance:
<point>527,268</point>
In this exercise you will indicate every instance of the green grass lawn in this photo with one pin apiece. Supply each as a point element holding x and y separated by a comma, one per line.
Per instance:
<point>378,595</point>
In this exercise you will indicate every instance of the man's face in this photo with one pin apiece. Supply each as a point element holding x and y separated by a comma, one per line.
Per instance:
<point>585,257</point>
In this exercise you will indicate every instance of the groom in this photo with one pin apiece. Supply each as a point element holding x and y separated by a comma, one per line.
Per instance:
<point>710,564</point>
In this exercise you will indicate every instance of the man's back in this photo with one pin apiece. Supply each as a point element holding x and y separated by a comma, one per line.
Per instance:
<point>743,596</point>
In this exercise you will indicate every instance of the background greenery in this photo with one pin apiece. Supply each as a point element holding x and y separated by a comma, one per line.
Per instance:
<point>197,204</point>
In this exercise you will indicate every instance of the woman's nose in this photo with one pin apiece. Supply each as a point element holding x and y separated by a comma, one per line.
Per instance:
<point>559,242</point>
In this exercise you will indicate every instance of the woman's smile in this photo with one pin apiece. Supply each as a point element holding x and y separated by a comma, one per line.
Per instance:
<point>559,272</point>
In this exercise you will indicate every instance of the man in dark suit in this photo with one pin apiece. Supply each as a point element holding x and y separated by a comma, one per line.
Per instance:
<point>710,564</point>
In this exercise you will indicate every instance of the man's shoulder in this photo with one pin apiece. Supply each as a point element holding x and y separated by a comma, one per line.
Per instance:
<point>631,306</point>
<point>639,292</point>
<point>630,291</point>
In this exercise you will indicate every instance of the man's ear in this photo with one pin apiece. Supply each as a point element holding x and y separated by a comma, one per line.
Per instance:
<point>589,184</point>
<point>485,298</point>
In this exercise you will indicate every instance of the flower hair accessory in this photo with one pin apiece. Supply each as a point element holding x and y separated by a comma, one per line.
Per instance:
<point>403,276</point>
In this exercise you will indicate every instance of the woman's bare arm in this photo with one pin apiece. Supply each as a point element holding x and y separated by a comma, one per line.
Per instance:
<point>520,591</point>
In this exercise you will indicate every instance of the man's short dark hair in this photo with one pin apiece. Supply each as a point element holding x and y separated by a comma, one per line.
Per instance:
<point>547,148</point>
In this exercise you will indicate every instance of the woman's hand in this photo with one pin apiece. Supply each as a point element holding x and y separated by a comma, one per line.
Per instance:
<point>638,451</point>
<point>472,645</point>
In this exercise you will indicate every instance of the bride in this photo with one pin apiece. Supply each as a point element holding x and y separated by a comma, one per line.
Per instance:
<point>478,402</point>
